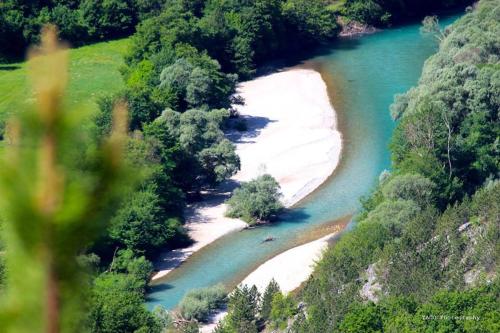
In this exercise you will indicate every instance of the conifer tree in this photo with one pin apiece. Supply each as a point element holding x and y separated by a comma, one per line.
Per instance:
<point>272,289</point>
<point>242,311</point>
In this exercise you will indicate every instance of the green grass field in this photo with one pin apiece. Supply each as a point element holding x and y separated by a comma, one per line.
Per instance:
<point>93,71</point>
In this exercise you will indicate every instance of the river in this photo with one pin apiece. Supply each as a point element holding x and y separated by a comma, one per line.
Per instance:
<point>363,75</point>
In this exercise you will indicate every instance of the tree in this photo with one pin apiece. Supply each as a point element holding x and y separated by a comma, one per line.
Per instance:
<point>362,318</point>
<point>430,25</point>
<point>200,303</point>
<point>311,20</point>
<point>282,308</point>
<point>267,299</point>
<point>256,201</point>
<point>410,187</point>
<point>205,157</point>
<point>242,311</point>
<point>140,224</point>
<point>108,18</point>
<point>117,305</point>
<point>368,11</point>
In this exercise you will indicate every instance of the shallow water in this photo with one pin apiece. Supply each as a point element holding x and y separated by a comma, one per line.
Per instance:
<point>363,75</point>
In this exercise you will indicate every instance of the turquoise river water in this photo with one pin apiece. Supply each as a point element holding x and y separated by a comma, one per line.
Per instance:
<point>363,75</point>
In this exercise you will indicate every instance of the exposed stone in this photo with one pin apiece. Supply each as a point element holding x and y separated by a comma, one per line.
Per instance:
<point>372,289</point>
<point>354,28</point>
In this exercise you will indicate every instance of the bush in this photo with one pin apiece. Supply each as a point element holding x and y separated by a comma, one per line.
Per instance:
<point>256,201</point>
<point>283,307</point>
<point>199,303</point>
<point>410,187</point>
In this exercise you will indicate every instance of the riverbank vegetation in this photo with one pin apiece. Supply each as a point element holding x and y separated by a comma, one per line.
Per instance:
<point>199,304</point>
<point>385,12</point>
<point>426,243</point>
<point>256,201</point>
<point>178,82</point>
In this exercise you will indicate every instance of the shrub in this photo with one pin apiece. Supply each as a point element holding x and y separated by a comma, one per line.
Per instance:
<point>282,308</point>
<point>410,187</point>
<point>256,201</point>
<point>199,303</point>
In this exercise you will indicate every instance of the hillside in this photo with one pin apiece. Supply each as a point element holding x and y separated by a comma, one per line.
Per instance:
<point>426,243</point>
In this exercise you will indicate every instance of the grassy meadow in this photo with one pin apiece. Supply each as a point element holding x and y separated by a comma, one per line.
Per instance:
<point>93,71</point>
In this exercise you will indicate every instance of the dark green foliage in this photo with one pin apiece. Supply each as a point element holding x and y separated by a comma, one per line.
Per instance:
<point>383,12</point>
<point>150,217</point>
<point>242,311</point>
<point>200,303</point>
<point>126,262</point>
<point>3,273</point>
<point>107,18</point>
<point>267,299</point>
<point>79,21</point>
<point>256,201</point>
<point>139,224</point>
<point>369,11</point>
<point>309,21</point>
<point>117,305</point>
<point>239,35</point>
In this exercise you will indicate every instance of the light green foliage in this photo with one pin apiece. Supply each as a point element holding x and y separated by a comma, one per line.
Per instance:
<point>200,303</point>
<point>93,70</point>
<point>163,317</point>
<point>430,25</point>
<point>56,199</point>
<point>282,308</point>
<point>256,201</point>
<point>447,311</point>
<point>362,318</point>
<point>200,85</point>
<point>267,299</point>
<point>448,120</point>
<point>117,305</point>
<point>393,213</point>
<point>410,187</point>
<point>206,156</point>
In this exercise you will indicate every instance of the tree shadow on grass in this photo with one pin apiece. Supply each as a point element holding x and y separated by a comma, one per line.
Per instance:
<point>9,67</point>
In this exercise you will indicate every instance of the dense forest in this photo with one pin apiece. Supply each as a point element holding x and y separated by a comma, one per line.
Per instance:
<point>181,73</point>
